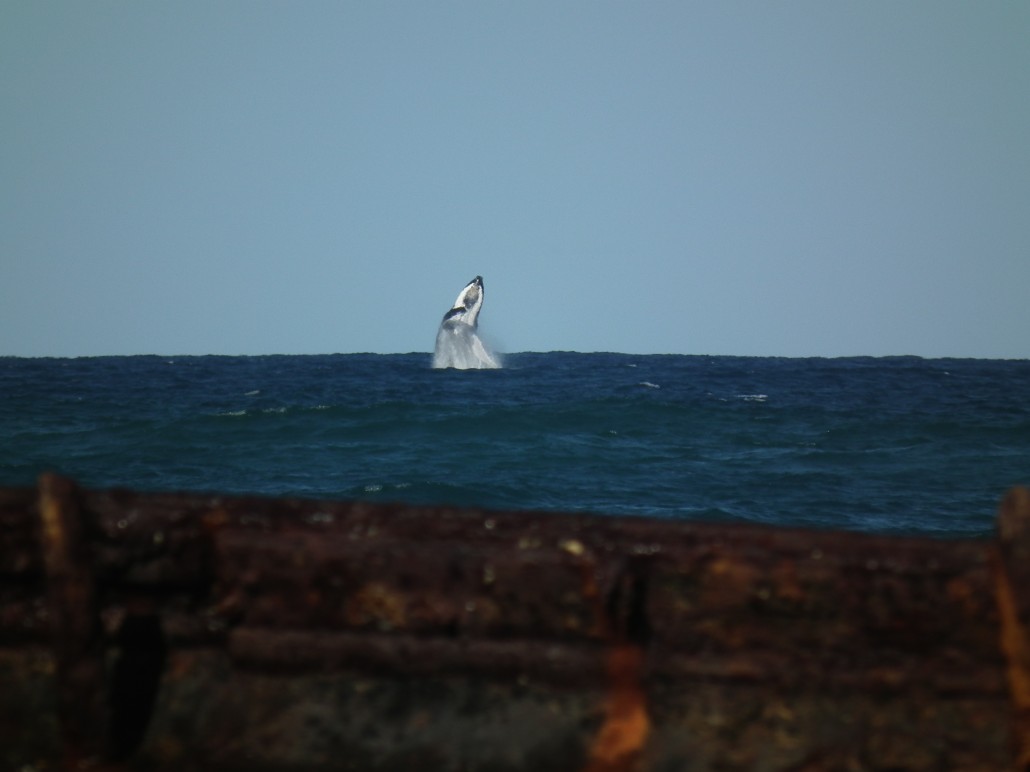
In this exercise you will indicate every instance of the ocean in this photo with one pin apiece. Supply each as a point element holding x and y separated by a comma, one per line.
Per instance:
<point>885,445</point>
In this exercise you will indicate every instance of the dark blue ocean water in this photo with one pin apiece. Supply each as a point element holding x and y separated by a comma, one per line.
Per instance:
<point>872,444</point>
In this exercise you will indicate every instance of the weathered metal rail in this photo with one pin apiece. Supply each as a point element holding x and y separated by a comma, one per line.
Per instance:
<point>177,631</point>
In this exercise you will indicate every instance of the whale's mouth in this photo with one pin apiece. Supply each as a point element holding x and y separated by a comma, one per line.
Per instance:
<point>472,291</point>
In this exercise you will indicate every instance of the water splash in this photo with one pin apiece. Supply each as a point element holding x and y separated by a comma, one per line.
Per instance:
<point>460,347</point>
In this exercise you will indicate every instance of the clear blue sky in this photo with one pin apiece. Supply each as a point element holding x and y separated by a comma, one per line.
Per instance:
<point>797,178</point>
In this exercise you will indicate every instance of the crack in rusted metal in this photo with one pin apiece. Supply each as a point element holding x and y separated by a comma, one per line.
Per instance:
<point>620,740</point>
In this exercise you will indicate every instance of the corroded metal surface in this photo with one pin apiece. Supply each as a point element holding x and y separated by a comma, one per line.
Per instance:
<point>1012,581</point>
<point>169,631</point>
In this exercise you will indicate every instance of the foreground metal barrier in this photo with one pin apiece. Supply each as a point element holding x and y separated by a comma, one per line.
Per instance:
<point>179,631</point>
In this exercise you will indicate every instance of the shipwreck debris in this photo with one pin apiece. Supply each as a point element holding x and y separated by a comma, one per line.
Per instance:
<point>176,630</point>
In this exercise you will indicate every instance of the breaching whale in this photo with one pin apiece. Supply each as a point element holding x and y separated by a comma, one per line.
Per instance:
<point>457,344</point>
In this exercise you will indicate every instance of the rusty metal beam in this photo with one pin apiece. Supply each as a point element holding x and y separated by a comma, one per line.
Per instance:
<point>1012,586</point>
<point>78,644</point>
<point>177,630</point>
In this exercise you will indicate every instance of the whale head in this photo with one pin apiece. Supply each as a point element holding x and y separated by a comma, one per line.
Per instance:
<point>468,304</point>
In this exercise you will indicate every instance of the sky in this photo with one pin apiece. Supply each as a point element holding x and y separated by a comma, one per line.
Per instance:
<point>725,177</point>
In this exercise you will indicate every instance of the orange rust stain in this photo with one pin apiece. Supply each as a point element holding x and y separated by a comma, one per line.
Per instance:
<point>730,581</point>
<point>589,589</point>
<point>50,510</point>
<point>786,584</point>
<point>376,603</point>
<point>620,741</point>
<point>960,594</point>
<point>215,519</point>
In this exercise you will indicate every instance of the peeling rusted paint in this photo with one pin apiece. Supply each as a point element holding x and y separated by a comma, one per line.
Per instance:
<point>620,742</point>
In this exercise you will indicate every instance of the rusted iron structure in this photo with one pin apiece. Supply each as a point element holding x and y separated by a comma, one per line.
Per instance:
<point>182,631</point>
